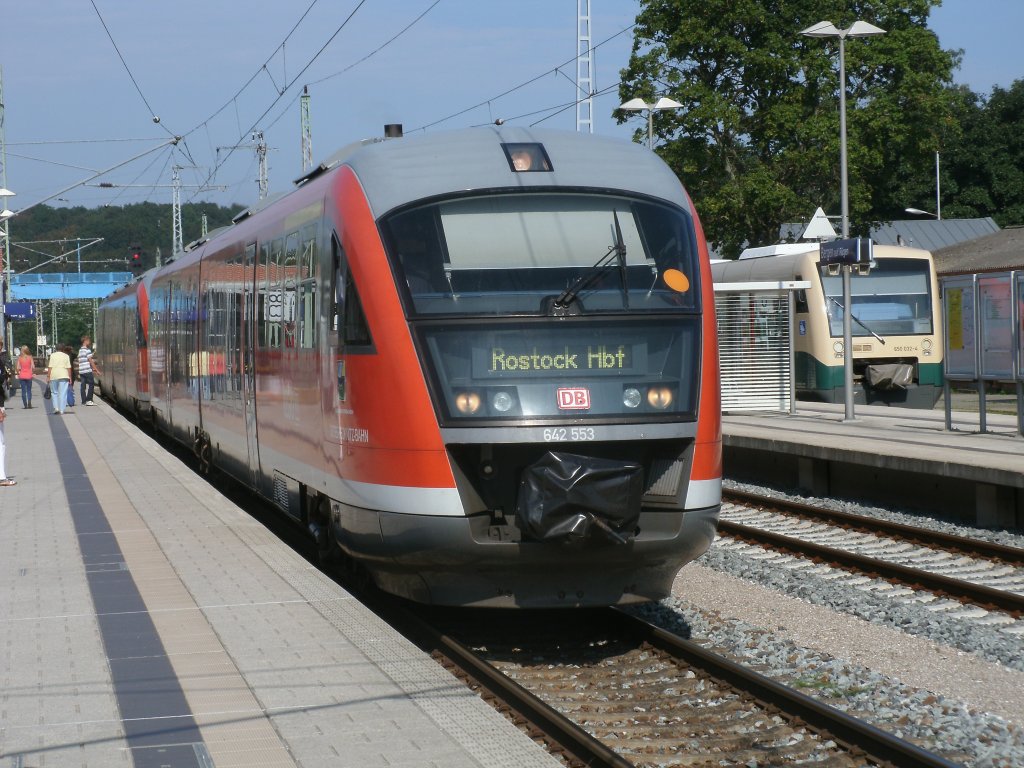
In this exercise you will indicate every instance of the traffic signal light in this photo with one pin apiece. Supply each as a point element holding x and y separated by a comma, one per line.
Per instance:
<point>135,260</point>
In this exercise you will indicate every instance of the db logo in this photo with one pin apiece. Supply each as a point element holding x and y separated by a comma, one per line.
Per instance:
<point>573,398</point>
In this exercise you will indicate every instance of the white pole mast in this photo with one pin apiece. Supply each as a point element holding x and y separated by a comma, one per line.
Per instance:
<point>584,69</point>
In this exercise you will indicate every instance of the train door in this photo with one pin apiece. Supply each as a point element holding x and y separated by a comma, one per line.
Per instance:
<point>348,337</point>
<point>248,350</point>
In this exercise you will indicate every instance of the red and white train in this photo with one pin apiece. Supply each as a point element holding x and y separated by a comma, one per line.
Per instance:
<point>481,365</point>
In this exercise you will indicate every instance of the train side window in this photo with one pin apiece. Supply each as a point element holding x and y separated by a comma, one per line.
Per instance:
<point>275,296</point>
<point>348,318</point>
<point>290,275</point>
<point>225,366</point>
<point>338,270</point>
<point>357,331</point>
<point>800,298</point>
<point>307,289</point>
<point>262,288</point>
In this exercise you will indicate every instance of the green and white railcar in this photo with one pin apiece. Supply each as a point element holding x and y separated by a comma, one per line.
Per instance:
<point>897,331</point>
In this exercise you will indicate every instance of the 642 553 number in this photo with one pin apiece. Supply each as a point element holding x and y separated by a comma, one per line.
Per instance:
<point>569,434</point>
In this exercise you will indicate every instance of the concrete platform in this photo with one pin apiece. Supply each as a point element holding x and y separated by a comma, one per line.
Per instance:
<point>895,455</point>
<point>148,621</point>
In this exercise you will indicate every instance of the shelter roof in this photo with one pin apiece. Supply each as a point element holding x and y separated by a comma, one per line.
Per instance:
<point>932,234</point>
<point>998,252</point>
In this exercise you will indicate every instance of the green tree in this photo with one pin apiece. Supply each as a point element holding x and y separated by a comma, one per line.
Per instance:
<point>757,139</point>
<point>983,175</point>
<point>42,233</point>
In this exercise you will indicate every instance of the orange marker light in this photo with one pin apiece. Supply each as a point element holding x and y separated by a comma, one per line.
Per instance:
<point>676,280</point>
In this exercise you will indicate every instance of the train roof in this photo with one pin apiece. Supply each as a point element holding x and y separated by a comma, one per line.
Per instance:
<point>398,171</point>
<point>782,249</point>
<point>799,249</point>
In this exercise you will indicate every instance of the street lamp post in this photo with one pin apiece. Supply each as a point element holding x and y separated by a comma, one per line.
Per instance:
<point>5,264</point>
<point>938,197</point>
<point>857,29</point>
<point>638,105</point>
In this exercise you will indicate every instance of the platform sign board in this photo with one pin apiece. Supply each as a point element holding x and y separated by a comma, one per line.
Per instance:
<point>1018,324</point>
<point>20,310</point>
<point>995,325</point>
<point>838,252</point>
<point>961,358</point>
<point>856,250</point>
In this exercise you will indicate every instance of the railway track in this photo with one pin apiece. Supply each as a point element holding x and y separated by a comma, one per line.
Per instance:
<point>985,574</point>
<point>602,688</point>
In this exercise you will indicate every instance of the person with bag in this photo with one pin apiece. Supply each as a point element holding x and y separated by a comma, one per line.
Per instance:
<point>74,375</point>
<point>4,479</point>
<point>58,378</point>
<point>26,369</point>
<point>6,370</point>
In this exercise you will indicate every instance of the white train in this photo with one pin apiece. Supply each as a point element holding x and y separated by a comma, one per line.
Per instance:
<point>897,331</point>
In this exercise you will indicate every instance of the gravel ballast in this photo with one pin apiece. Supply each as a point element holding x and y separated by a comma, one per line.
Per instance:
<point>950,685</point>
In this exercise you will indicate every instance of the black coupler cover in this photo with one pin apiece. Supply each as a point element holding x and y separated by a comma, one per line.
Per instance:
<point>890,376</point>
<point>565,496</point>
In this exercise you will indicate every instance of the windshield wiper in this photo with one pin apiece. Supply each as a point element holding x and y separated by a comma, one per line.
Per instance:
<point>855,319</point>
<point>616,253</point>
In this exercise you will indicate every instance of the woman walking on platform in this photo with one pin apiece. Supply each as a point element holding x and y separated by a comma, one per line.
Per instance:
<point>26,366</point>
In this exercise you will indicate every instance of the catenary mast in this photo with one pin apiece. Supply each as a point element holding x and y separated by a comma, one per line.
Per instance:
<point>307,130</point>
<point>584,69</point>
<point>5,230</point>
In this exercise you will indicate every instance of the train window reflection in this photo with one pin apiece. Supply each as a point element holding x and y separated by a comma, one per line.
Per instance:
<point>894,298</point>
<point>515,253</point>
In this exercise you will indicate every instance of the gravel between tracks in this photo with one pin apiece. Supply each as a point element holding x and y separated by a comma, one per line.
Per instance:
<point>943,683</point>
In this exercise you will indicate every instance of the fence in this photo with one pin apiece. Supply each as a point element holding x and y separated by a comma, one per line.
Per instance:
<point>755,345</point>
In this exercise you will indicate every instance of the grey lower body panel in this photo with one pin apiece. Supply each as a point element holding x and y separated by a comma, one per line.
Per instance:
<point>465,561</point>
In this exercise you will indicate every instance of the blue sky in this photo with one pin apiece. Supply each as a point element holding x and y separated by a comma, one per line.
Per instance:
<point>213,70</point>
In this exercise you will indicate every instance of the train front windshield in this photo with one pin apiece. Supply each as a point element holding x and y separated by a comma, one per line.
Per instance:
<point>517,254</point>
<point>540,306</point>
<point>893,299</point>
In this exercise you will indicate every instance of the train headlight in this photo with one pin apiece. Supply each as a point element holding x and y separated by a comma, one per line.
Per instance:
<point>631,397</point>
<point>837,347</point>
<point>659,397</point>
<point>926,346</point>
<point>502,401</point>
<point>467,402</point>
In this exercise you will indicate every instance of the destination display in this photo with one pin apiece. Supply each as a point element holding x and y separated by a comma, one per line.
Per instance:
<point>556,359</point>
<point>856,250</point>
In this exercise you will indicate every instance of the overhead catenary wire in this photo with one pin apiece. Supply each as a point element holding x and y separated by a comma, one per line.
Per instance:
<point>153,115</point>
<point>356,63</point>
<point>156,119</point>
<point>391,40</point>
<point>545,73</point>
<point>556,109</point>
<point>95,175</point>
<point>281,87</point>
<point>263,67</point>
<point>309,63</point>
